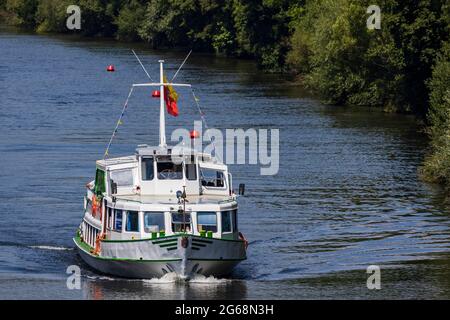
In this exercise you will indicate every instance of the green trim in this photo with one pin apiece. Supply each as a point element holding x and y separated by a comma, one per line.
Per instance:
<point>201,241</point>
<point>165,241</point>
<point>166,238</point>
<point>85,246</point>
<point>173,248</point>
<point>168,245</point>
<point>198,244</point>
<point>145,239</point>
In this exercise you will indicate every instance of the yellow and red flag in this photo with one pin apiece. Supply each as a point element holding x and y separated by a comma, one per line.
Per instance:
<point>171,98</point>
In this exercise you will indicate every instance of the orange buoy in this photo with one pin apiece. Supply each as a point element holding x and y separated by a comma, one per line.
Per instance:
<point>194,134</point>
<point>110,68</point>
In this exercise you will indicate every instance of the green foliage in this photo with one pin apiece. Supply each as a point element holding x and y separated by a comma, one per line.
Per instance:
<point>51,15</point>
<point>130,18</point>
<point>437,164</point>
<point>24,12</point>
<point>349,64</point>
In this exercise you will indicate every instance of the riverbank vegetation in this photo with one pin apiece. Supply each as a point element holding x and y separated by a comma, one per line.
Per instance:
<point>325,44</point>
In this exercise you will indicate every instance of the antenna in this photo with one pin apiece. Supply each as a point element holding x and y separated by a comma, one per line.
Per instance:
<point>139,60</point>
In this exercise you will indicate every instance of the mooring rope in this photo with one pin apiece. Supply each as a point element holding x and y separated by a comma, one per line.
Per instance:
<point>119,122</point>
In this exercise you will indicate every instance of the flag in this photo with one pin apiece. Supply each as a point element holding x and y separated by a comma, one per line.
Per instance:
<point>171,98</point>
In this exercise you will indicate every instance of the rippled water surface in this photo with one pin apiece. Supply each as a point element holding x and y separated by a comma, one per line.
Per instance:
<point>346,195</point>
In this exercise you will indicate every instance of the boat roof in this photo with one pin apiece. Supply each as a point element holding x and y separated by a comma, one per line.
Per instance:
<point>145,150</point>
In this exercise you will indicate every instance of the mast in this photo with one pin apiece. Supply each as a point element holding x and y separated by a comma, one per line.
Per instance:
<point>162,120</point>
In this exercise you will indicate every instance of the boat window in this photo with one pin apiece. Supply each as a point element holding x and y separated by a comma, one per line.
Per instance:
<point>132,221</point>
<point>109,219</point>
<point>147,169</point>
<point>100,186</point>
<point>234,218</point>
<point>191,171</point>
<point>207,221</point>
<point>212,178</point>
<point>181,222</point>
<point>122,177</point>
<point>153,222</point>
<point>118,220</point>
<point>169,170</point>
<point>226,221</point>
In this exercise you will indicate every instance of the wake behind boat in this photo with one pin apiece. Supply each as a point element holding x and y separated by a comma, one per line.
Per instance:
<point>161,210</point>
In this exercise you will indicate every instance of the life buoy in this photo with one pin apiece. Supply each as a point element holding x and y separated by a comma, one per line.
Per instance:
<point>241,236</point>
<point>96,207</point>
<point>98,241</point>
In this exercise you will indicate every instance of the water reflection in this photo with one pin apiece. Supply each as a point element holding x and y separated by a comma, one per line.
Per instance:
<point>100,288</point>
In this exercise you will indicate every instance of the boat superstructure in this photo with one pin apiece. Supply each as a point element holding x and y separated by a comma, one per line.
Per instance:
<point>163,209</point>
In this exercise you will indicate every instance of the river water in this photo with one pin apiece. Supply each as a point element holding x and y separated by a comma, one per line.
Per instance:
<point>347,194</point>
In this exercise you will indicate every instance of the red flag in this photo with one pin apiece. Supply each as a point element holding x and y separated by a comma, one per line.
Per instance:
<point>171,97</point>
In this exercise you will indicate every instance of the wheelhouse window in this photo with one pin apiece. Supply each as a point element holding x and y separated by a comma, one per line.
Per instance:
<point>207,221</point>
<point>123,178</point>
<point>226,221</point>
<point>147,169</point>
<point>154,222</point>
<point>181,222</point>
<point>118,220</point>
<point>168,170</point>
<point>212,178</point>
<point>191,171</point>
<point>132,221</point>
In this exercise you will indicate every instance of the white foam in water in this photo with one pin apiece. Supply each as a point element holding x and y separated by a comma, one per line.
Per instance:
<point>102,278</point>
<point>51,248</point>
<point>170,277</point>
<point>198,278</point>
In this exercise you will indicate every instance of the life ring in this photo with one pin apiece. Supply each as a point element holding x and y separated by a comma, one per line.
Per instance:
<point>241,236</point>
<point>98,241</point>
<point>96,207</point>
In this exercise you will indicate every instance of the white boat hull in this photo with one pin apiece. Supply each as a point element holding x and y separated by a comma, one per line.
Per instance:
<point>152,258</point>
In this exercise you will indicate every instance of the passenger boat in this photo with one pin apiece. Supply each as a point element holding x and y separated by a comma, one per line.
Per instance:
<point>154,212</point>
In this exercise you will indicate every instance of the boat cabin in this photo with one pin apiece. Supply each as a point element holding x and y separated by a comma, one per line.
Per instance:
<point>141,195</point>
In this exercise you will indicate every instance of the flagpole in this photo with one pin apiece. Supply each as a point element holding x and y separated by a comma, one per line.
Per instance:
<point>162,121</point>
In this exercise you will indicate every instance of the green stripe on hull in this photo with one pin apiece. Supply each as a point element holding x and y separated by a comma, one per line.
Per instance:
<point>173,237</point>
<point>80,245</point>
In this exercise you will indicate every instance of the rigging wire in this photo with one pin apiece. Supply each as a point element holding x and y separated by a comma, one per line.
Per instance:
<point>203,118</point>
<point>139,60</point>
<point>181,66</point>
<point>119,122</point>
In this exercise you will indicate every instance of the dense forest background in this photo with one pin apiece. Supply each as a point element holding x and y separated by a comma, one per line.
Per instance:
<point>325,44</point>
